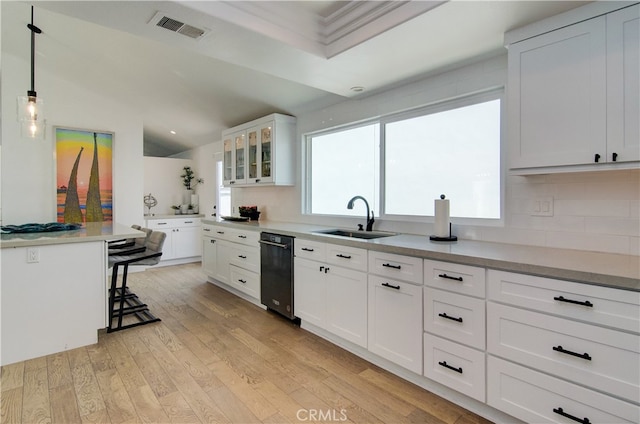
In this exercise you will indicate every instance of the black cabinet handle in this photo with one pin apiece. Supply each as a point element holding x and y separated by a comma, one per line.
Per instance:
<point>450,277</point>
<point>321,268</point>
<point>162,223</point>
<point>326,270</point>
<point>257,180</point>
<point>188,222</point>
<point>571,417</point>
<point>444,315</point>
<point>242,256</point>
<point>596,158</point>
<point>212,241</point>
<point>220,232</point>
<point>243,281</point>
<point>307,249</point>
<point>576,302</point>
<point>391,286</point>
<point>392,266</point>
<point>568,352</point>
<point>206,229</point>
<point>340,255</point>
<point>444,364</point>
<point>614,156</point>
<point>242,237</point>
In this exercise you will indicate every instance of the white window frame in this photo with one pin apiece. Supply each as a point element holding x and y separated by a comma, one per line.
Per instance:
<point>443,105</point>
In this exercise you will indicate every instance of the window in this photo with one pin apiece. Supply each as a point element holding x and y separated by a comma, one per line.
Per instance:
<point>451,148</point>
<point>455,152</point>
<point>344,164</point>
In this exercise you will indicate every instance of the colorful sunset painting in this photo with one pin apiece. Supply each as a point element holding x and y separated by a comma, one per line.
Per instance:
<point>84,183</point>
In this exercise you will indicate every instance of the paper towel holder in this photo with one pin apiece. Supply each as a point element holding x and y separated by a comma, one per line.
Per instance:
<point>446,238</point>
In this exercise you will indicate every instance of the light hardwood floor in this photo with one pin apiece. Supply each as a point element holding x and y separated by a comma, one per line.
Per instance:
<point>213,358</point>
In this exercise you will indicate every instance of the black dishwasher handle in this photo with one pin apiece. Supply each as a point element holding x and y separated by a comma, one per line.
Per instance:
<point>270,243</point>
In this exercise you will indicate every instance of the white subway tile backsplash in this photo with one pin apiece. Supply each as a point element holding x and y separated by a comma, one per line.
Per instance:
<point>614,226</point>
<point>592,207</point>
<point>591,242</point>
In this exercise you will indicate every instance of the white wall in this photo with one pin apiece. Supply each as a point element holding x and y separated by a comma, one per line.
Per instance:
<point>596,211</point>
<point>28,167</point>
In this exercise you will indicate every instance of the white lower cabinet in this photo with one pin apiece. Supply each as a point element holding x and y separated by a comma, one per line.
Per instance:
<point>346,304</point>
<point>535,397</point>
<point>395,321</point>
<point>455,366</point>
<point>329,296</point>
<point>183,237</point>
<point>309,295</point>
<point>593,356</point>
<point>232,257</point>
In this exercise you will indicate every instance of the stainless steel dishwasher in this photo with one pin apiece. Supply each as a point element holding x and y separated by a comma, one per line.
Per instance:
<point>276,273</point>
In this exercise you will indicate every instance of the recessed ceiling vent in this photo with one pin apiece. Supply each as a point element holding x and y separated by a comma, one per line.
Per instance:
<point>162,20</point>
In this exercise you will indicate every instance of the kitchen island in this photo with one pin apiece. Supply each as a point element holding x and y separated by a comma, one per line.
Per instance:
<point>53,290</point>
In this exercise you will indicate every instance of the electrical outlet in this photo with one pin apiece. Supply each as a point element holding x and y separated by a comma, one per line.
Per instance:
<point>33,255</point>
<point>542,206</point>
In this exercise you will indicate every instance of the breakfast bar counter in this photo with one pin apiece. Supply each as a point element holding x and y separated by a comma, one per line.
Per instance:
<point>53,289</point>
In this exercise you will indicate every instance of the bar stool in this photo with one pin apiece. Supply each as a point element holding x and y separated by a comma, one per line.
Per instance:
<point>122,302</point>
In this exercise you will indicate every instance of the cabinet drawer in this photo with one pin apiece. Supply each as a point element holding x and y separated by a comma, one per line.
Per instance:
<point>247,257</point>
<point>398,267</point>
<point>314,250</point>
<point>599,358</point>
<point>532,396</point>
<point>208,230</point>
<point>186,222</point>
<point>160,224</point>
<point>455,366</point>
<point>463,279</point>
<point>247,237</point>
<point>218,232</point>
<point>348,257</point>
<point>246,281</point>
<point>456,317</point>
<point>599,305</point>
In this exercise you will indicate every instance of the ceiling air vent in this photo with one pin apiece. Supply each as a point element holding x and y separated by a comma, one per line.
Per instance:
<point>163,21</point>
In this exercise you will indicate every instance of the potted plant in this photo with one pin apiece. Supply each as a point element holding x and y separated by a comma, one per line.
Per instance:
<point>176,209</point>
<point>187,180</point>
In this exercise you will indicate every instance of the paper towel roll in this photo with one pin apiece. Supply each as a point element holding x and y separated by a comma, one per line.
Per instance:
<point>441,219</point>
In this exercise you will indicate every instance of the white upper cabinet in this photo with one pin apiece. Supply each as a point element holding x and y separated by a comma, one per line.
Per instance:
<point>573,95</point>
<point>260,152</point>
<point>623,85</point>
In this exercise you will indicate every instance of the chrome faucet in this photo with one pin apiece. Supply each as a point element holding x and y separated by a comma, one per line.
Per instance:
<point>370,219</point>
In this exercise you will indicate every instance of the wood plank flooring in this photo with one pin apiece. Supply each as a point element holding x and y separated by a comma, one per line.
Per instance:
<point>214,358</point>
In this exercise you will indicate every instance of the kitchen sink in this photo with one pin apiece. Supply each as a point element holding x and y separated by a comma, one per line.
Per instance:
<point>355,234</point>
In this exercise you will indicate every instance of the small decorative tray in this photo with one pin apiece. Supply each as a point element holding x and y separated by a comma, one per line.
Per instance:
<point>235,218</point>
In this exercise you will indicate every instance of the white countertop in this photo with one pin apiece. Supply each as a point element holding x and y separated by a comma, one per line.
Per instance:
<point>90,231</point>
<point>174,216</point>
<point>607,269</point>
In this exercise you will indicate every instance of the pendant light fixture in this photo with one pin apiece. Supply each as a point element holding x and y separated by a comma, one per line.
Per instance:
<point>30,107</point>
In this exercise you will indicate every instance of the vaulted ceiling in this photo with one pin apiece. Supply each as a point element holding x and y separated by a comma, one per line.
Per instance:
<point>235,61</point>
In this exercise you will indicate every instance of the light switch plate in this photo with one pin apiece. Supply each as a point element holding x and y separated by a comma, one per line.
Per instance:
<point>33,255</point>
<point>542,206</point>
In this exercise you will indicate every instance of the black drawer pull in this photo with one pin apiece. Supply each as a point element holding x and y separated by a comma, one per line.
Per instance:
<point>243,237</point>
<point>392,266</point>
<point>559,411</point>
<point>444,364</point>
<point>188,222</point>
<point>243,281</point>
<point>212,241</point>
<point>450,277</point>
<point>220,232</point>
<point>391,286</point>
<point>206,229</point>
<point>242,256</point>
<point>340,255</point>
<point>568,352</point>
<point>307,249</point>
<point>444,315</point>
<point>162,223</point>
<point>576,302</point>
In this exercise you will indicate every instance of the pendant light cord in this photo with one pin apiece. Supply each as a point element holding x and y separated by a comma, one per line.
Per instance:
<point>34,30</point>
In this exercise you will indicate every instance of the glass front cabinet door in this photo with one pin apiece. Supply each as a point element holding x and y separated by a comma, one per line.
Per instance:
<point>260,144</point>
<point>234,159</point>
